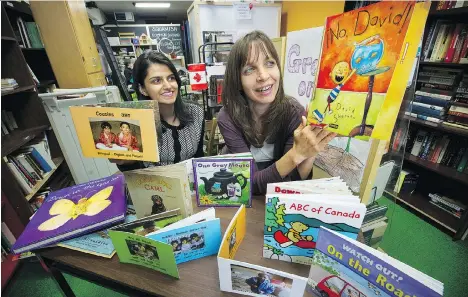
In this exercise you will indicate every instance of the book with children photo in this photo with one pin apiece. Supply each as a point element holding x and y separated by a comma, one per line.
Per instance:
<point>118,131</point>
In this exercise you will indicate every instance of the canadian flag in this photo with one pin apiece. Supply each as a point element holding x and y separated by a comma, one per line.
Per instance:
<point>197,75</point>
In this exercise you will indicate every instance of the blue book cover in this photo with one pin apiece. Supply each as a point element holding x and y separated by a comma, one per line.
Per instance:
<point>345,267</point>
<point>98,243</point>
<point>427,111</point>
<point>193,241</point>
<point>42,162</point>
<point>431,100</point>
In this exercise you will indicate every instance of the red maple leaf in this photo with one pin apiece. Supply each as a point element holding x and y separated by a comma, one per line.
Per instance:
<point>197,77</point>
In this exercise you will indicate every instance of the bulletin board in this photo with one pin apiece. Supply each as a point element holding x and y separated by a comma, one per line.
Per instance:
<point>221,17</point>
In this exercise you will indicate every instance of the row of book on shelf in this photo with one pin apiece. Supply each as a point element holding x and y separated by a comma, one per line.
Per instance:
<point>451,4</point>
<point>305,221</point>
<point>439,148</point>
<point>446,42</point>
<point>8,122</point>
<point>27,34</point>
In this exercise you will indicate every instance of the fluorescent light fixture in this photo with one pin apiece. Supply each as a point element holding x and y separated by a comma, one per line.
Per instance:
<point>152,5</point>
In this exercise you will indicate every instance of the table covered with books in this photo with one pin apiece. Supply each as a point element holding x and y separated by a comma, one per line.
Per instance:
<point>197,278</point>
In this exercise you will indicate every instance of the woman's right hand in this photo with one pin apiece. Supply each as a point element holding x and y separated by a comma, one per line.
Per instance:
<point>309,141</point>
<point>121,162</point>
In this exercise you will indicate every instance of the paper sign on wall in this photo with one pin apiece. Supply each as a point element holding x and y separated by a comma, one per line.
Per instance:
<point>302,57</point>
<point>242,11</point>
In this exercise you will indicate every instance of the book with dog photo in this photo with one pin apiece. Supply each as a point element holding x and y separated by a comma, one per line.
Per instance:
<point>158,189</point>
<point>223,180</point>
<point>292,222</point>
<point>127,130</point>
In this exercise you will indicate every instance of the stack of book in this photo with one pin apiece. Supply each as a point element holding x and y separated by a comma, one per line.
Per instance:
<point>9,84</point>
<point>31,164</point>
<point>446,4</point>
<point>446,42</point>
<point>451,206</point>
<point>406,182</point>
<point>461,94</point>
<point>374,225</point>
<point>8,122</point>
<point>441,149</point>
<point>457,116</point>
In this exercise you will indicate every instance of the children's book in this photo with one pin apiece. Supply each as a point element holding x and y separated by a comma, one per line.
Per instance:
<point>195,237</point>
<point>75,211</point>
<point>292,222</point>
<point>315,186</point>
<point>345,267</point>
<point>366,60</point>
<point>248,279</point>
<point>167,240</point>
<point>158,189</point>
<point>223,180</point>
<point>98,243</point>
<point>127,130</point>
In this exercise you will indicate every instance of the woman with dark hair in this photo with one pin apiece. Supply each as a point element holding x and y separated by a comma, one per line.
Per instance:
<point>258,117</point>
<point>156,78</point>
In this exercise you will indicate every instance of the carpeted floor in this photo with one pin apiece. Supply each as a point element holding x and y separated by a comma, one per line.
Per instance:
<point>408,238</point>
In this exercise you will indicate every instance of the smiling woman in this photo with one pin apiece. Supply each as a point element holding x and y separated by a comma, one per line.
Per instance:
<point>156,78</point>
<point>257,117</point>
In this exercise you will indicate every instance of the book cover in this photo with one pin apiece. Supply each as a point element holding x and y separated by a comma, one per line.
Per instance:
<point>74,211</point>
<point>223,181</point>
<point>98,243</point>
<point>193,241</point>
<point>345,267</point>
<point>154,192</point>
<point>127,131</point>
<point>292,223</point>
<point>366,61</point>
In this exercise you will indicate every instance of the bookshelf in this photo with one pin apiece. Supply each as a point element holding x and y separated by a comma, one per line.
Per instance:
<point>25,106</point>
<point>443,179</point>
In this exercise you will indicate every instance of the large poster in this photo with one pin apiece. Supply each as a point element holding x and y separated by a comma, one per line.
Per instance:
<point>302,57</point>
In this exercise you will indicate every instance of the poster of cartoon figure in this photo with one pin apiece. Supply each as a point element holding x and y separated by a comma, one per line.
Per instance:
<point>366,60</point>
<point>292,223</point>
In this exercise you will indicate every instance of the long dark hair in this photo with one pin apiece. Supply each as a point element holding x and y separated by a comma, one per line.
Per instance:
<point>140,71</point>
<point>275,119</point>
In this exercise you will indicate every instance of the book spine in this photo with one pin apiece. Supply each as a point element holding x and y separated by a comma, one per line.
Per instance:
<point>447,96</point>
<point>428,106</point>
<point>20,167</point>
<point>27,189</point>
<point>443,151</point>
<point>447,38</point>
<point>40,160</point>
<point>430,39</point>
<point>12,118</point>
<point>446,209</point>
<point>459,3</point>
<point>34,165</point>
<point>457,157</point>
<point>437,150</point>
<point>461,166</point>
<point>456,108</point>
<point>453,42</point>
<point>440,5</point>
<point>427,111</point>
<point>431,100</point>
<point>418,143</point>
<point>438,43</point>
<point>459,45</point>
<point>22,160</point>
<point>425,118</point>
<point>426,145</point>
<point>463,58</point>
<point>458,114</point>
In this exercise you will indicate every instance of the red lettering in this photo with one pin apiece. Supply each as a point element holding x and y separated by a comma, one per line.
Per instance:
<point>293,206</point>
<point>328,210</point>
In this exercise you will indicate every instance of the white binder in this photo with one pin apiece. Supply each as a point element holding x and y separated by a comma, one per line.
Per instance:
<point>82,169</point>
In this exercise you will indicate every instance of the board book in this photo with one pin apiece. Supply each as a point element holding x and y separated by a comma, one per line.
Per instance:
<point>127,130</point>
<point>158,189</point>
<point>223,180</point>
<point>75,211</point>
<point>366,60</point>
<point>167,240</point>
<point>248,279</point>
<point>292,221</point>
<point>345,267</point>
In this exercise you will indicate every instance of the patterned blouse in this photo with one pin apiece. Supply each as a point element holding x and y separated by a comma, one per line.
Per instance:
<point>178,143</point>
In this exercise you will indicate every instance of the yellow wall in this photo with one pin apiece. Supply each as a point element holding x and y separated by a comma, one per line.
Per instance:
<point>298,15</point>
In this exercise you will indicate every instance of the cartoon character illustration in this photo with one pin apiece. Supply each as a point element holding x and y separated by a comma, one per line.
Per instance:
<point>340,75</point>
<point>158,205</point>
<point>197,241</point>
<point>126,138</point>
<point>293,236</point>
<point>260,284</point>
<point>186,246</point>
<point>175,246</point>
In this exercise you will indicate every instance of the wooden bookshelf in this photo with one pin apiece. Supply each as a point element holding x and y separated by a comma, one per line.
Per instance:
<point>454,12</point>
<point>438,168</point>
<point>18,138</point>
<point>421,204</point>
<point>58,161</point>
<point>18,90</point>
<point>438,126</point>
<point>443,64</point>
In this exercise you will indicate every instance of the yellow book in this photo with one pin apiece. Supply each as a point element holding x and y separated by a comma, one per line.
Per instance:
<point>366,62</point>
<point>127,130</point>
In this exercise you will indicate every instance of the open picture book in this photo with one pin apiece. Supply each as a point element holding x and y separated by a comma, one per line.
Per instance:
<point>126,130</point>
<point>162,241</point>
<point>345,267</point>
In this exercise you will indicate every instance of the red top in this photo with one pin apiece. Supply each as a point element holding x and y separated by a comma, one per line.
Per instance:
<point>110,139</point>
<point>128,139</point>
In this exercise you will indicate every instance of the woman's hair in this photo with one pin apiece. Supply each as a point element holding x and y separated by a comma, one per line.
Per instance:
<point>235,102</point>
<point>140,71</point>
<point>106,125</point>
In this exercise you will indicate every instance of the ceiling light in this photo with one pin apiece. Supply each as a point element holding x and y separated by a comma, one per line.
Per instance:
<point>152,5</point>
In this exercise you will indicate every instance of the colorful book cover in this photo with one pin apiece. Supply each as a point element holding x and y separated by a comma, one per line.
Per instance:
<point>133,247</point>
<point>248,279</point>
<point>345,267</point>
<point>75,211</point>
<point>223,181</point>
<point>126,130</point>
<point>153,191</point>
<point>292,223</point>
<point>98,243</point>
<point>366,60</point>
<point>192,241</point>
